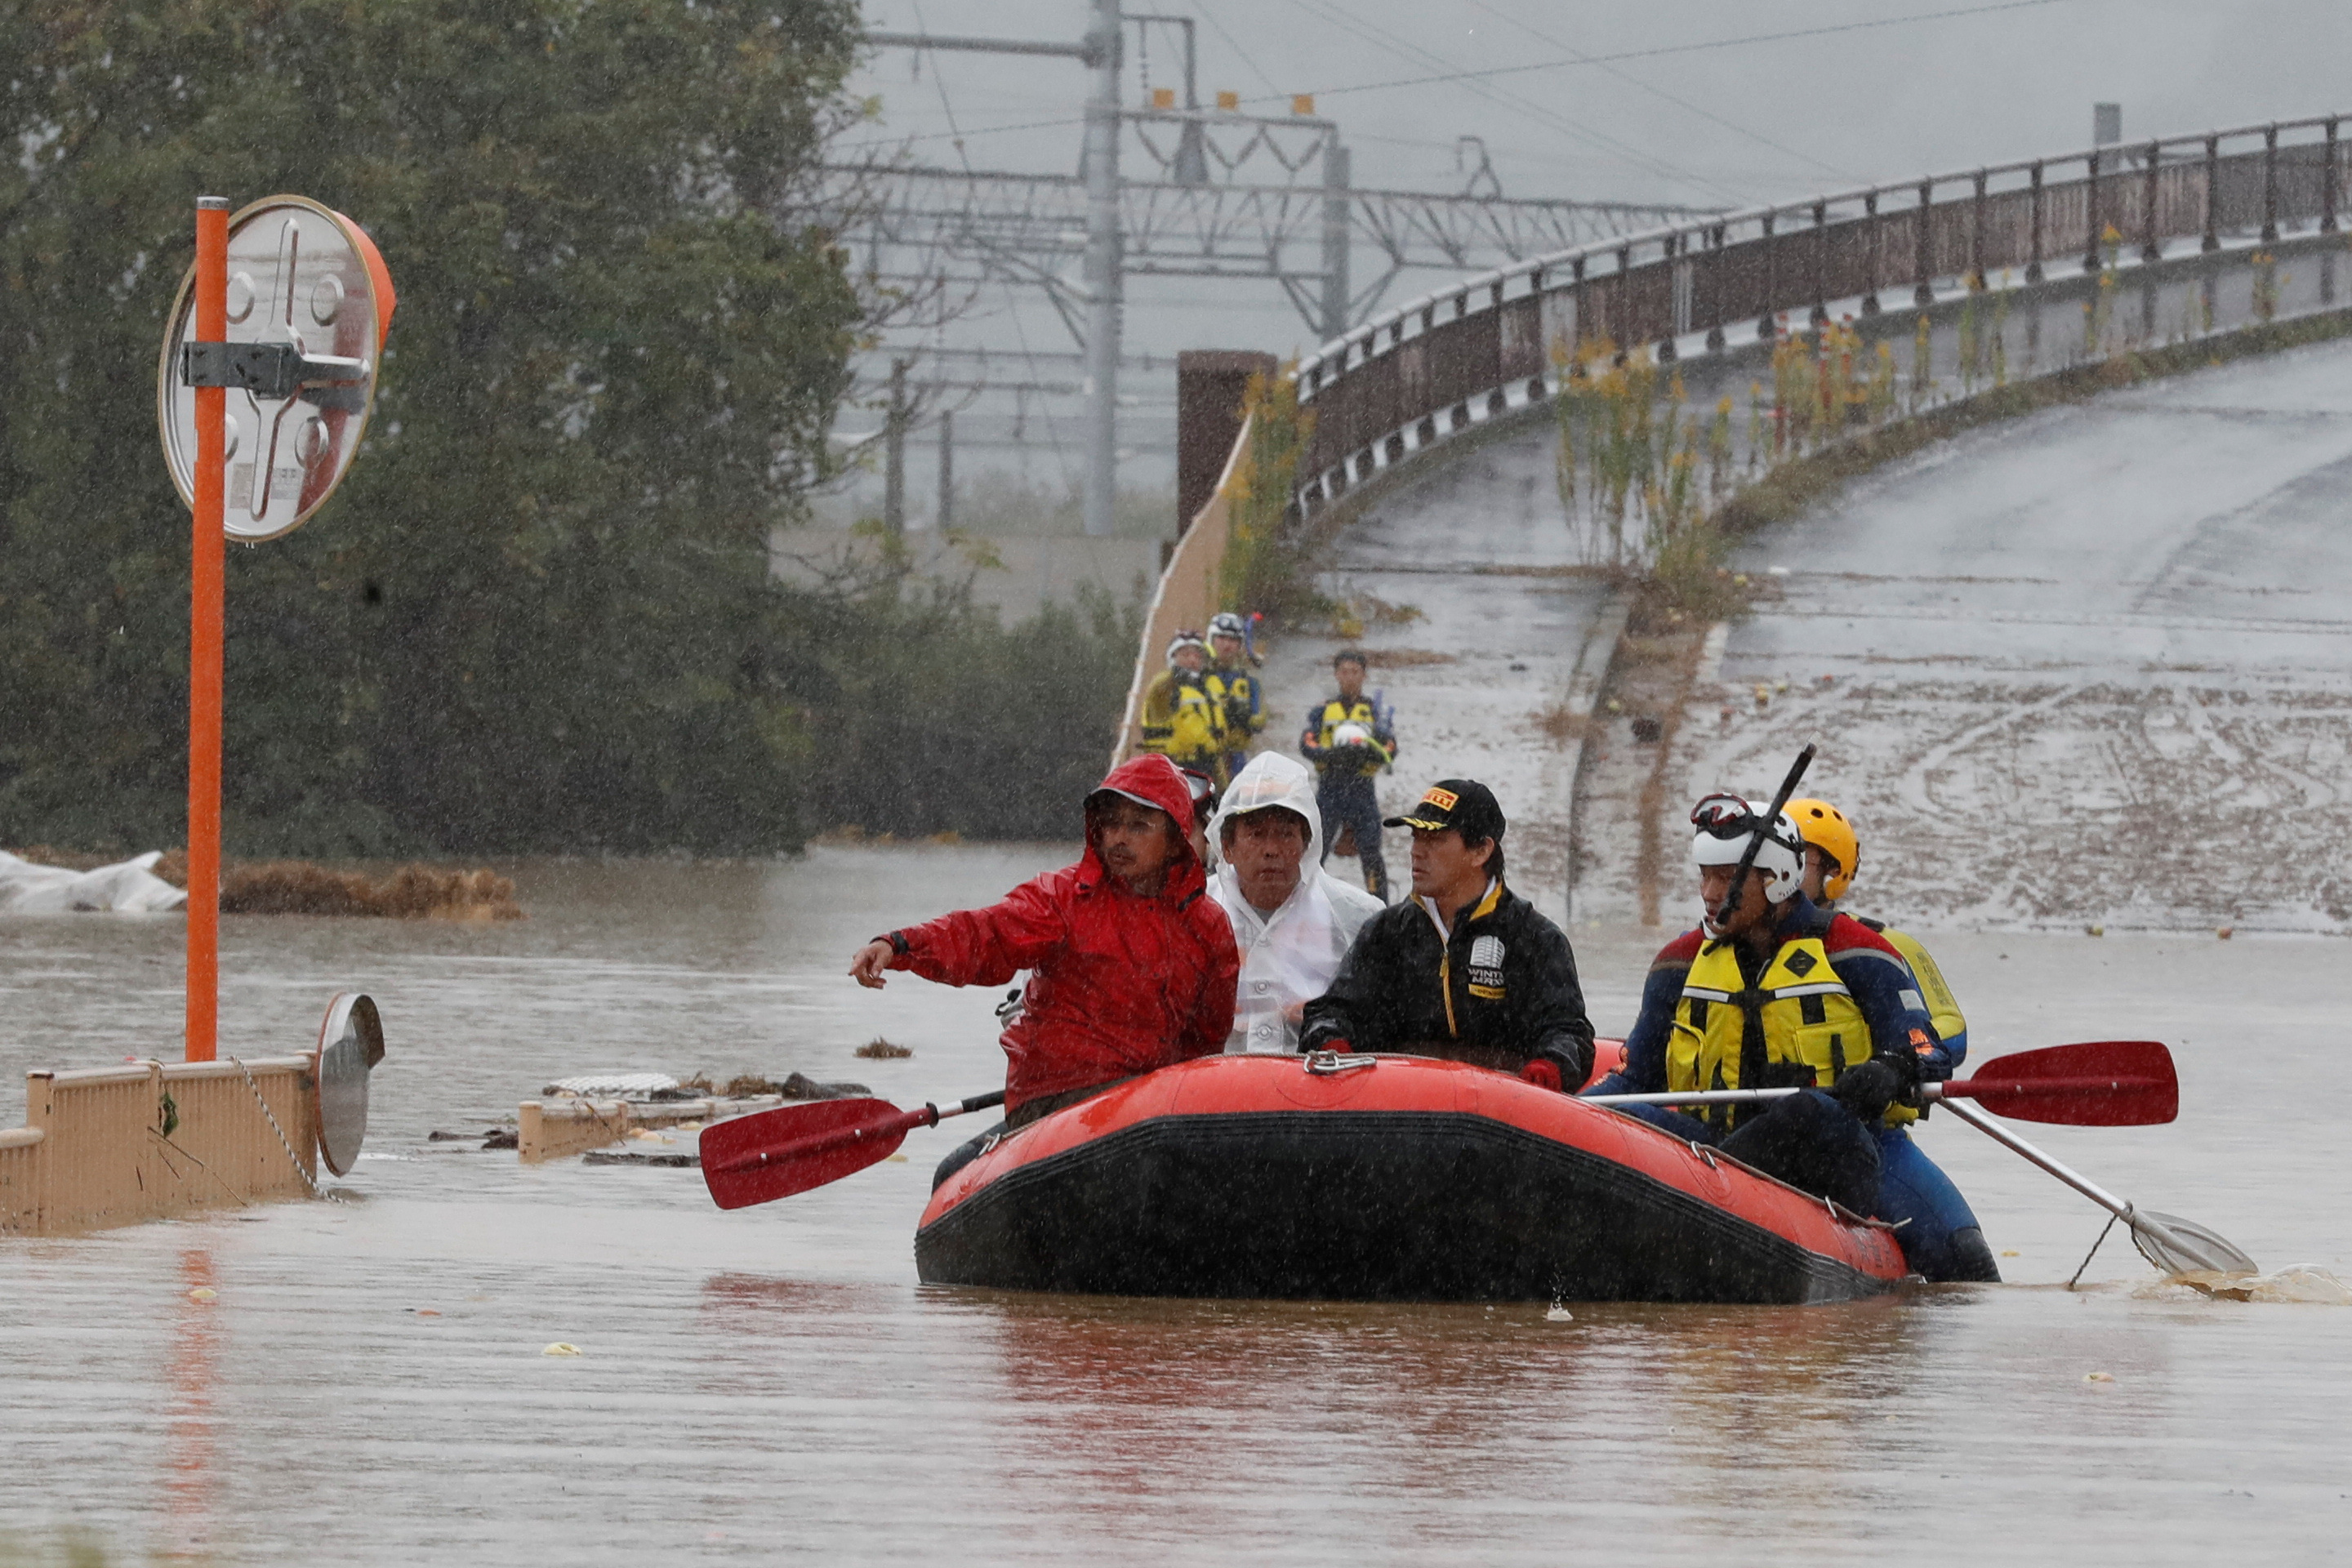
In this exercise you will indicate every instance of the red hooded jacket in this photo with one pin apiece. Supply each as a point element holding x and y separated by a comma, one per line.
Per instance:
<point>1119,985</point>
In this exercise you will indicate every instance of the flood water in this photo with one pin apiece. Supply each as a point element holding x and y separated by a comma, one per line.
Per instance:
<point>774,1383</point>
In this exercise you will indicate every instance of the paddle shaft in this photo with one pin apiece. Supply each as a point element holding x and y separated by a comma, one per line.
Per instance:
<point>2072,1177</point>
<point>1756,839</point>
<point>843,1137</point>
<point>1932,1093</point>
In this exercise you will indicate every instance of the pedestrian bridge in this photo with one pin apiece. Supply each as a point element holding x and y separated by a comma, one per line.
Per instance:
<point>2077,668</point>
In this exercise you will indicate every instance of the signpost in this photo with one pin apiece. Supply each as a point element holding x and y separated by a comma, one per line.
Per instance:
<point>267,377</point>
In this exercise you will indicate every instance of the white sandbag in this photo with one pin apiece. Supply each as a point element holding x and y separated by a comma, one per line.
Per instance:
<point>127,886</point>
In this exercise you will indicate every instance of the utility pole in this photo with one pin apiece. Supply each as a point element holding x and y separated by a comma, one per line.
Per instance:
<point>1103,272</point>
<point>894,454</point>
<point>946,469</point>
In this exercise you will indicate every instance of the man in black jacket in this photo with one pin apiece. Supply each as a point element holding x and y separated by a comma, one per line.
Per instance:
<point>1465,969</point>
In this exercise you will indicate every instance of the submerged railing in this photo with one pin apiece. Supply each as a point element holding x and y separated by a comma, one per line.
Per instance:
<point>1459,356</point>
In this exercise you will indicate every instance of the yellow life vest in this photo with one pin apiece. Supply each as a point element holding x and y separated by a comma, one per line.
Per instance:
<point>1339,712</point>
<point>1943,1007</point>
<point>1182,720</point>
<point>1237,694</point>
<point>1810,1021</point>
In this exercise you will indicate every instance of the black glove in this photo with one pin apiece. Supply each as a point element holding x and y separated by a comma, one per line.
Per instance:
<point>1868,1089</point>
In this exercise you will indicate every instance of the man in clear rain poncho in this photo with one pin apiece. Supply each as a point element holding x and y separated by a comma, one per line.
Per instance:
<point>1292,920</point>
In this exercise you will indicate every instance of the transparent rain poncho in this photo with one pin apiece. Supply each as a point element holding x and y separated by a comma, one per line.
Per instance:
<point>1287,957</point>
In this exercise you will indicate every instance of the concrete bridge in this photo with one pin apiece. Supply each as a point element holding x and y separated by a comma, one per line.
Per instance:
<point>2078,669</point>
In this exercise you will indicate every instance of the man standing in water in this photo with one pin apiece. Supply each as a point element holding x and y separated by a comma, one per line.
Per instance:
<point>1292,920</point>
<point>1131,964</point>
<point>1465,969</point>
<point>1348,742</point>
<point>1775,993</point>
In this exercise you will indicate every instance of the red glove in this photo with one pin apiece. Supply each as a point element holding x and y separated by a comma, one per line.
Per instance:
<point>1543,1072</point>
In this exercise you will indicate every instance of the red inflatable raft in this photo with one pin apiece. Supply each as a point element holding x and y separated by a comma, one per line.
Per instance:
<point>1380,1178</point>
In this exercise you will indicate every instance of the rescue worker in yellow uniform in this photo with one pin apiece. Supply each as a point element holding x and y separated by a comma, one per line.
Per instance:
<point>1182,720</point>
<point>1348,741</point>
<point>1240,703</point>
<point>1940,1233</point>
<point>1772,992</point>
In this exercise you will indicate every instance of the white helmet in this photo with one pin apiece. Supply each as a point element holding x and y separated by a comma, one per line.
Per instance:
<point>1225,624</point>
<point>1350,735</point>
<point>1723,824</point>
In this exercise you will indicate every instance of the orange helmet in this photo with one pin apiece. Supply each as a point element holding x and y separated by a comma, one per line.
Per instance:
<point>1827,828</point>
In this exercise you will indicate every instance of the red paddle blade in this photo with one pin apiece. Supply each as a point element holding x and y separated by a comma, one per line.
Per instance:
<point>2099,1083</point>
<point>772,1155</point>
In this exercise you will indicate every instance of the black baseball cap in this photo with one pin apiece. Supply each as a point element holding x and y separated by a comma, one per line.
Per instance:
<point>1463,804</point>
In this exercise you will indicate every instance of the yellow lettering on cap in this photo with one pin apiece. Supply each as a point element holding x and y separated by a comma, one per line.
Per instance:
<point>1442,799</point>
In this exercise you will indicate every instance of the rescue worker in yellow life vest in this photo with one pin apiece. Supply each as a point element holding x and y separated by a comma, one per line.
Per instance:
<point>1940,1233</point>
<point>1182,720</point>
<point>1240,703</point>
<point>1348,741</point>
<point>1772,992</point>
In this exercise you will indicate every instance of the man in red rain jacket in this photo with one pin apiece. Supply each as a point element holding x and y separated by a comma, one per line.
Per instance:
<point>1131,965</point>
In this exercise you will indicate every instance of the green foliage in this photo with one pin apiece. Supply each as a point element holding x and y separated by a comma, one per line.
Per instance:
<point>934,718</point>
<point>539,615</point>
<point>1268,563</point>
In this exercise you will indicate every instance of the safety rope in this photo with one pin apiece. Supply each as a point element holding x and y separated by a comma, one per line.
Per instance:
<point>2094,1249</point>
<point>299,1168</point>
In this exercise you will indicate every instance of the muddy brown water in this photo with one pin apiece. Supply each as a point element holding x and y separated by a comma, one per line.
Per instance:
<point>368,1384</point>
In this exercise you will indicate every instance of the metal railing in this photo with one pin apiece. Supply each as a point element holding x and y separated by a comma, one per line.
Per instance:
<point>1721,284</point>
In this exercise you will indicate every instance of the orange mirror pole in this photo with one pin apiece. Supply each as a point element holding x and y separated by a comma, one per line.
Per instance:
<point>204,639</point>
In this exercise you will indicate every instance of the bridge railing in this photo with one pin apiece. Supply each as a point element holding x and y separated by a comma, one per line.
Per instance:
<point>1460,355</point>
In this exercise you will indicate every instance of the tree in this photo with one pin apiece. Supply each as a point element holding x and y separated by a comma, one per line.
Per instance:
<point>538,614</point>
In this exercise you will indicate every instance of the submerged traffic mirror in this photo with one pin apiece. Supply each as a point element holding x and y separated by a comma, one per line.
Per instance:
<point>351,1042</point>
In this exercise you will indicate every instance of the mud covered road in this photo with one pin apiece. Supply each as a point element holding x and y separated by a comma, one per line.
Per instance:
<point>2093,668</point>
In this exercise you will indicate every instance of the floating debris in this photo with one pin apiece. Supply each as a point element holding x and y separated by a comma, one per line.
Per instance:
<point>2301,1282</point>
<point>203,1293</point>
<point>879,1049</point>
<point>666,1161</point>
<point>1559,1314</point>
<point>2098,1378</point>
<point>611,1086</point>
<point>560,1348</point>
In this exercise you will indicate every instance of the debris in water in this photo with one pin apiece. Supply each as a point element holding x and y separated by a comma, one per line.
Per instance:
<point>2095,930</point>
<point>2010,1252</point>
<point>612,1085</point>
<point>615,1157</point>
<point>560,1348</point>
<point>2226,933</point>
<point>797,1086</point>
<point>894,1158</point>
<point>502,1138</point>
<point>1647,728</point>
<point>2098,1378</point>
<point>879,1049</point>
<point>2301,1282</point>
<point>302,887</point>
<point>427,1312</point>
<point>203,1293</point>
<point>1559,1314</point>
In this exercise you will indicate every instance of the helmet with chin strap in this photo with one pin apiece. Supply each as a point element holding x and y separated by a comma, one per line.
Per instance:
<point>1724,824</point>
<point>1831,831</point>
